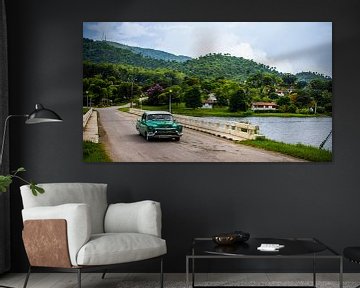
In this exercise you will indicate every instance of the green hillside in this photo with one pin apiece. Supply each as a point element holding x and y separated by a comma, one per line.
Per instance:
<point>102,52</point>
<point>309,76</point>
<point>208,66</point>
<point>225,66</point>
<point>152,53</point>
<point>119,75</point>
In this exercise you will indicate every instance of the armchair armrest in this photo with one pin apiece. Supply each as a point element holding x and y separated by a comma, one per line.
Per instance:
<point>77,219</point>
<point>138,217</point>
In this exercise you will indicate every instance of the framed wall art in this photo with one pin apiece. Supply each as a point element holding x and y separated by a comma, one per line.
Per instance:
<point>207,91</point>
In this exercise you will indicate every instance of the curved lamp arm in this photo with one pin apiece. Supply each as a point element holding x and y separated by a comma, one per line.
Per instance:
<point>4,134</point>
<point>39,115</point>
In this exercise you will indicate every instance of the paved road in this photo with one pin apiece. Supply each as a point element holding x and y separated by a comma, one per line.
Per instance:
<point>124,144</point>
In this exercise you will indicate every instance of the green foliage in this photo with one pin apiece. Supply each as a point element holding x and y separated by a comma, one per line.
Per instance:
<point>182,110</point>
<point>6,180</point>
<point>36,189</point>
<point>193,97</point>
<point>308,76</point>
<point>153,94</point>
<point>116,73</point>
<point>94,152</point>
<point>238,101</point>
<point>102,52</point>
<point>208,66</point>
<point>289,79</point>
<point>301,151</point>
<point>283,101</point>
<point>156,54</point>
<point>124,109</point>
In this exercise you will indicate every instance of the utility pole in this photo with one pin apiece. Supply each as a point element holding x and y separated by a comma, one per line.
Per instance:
<point>132,89</point>
<point>170,91</point>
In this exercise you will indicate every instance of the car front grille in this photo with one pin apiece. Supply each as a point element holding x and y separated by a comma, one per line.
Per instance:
<point>165,131</point>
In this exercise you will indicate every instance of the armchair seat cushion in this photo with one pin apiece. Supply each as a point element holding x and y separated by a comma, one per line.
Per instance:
<point>113,248</point>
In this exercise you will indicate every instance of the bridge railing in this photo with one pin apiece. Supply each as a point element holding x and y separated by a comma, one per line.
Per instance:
<point>226,129</point>
<point>86,117</point>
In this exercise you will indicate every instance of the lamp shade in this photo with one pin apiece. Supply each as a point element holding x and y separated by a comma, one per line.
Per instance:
<point>42,115</point>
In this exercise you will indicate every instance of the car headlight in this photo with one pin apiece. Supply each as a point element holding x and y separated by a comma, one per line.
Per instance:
<point>151,128</point>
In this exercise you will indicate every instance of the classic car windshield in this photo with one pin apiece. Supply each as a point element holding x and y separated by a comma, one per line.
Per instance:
<point>160,117</point>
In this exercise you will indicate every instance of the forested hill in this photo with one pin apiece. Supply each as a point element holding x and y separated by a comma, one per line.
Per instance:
<point>309,76</point>
<point>152,53</point>
<point>102,52</point>
<point>208,66</point>
<point>226,66</point>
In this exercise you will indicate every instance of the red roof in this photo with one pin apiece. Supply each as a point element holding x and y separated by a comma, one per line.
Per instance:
<point>264,104</point>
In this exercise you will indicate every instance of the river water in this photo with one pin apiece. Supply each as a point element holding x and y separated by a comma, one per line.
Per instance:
<point>307,130</point>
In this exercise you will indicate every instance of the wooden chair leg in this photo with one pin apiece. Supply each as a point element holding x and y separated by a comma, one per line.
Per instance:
<point>27,277</point>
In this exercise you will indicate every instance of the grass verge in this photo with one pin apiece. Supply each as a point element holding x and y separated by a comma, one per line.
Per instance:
<point>94,152</point>
<point>296,150</point>
<point>124,109</point>
<point>85,109</point>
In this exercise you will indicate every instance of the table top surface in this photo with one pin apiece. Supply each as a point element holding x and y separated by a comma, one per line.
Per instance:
<point>292,247</point>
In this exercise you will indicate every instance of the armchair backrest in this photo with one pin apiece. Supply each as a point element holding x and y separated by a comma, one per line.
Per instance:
<point>92,194</point>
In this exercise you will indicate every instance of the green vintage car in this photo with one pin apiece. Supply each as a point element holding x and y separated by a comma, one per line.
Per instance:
<point>158,124</point>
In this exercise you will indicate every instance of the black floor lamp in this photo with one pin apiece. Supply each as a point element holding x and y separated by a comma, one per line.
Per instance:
<point>39,115</point>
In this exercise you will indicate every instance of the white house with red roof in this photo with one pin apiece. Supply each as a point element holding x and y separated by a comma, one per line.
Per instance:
<point>261,106</point>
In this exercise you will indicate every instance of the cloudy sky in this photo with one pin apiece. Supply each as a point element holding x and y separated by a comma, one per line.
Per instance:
<point>289,46</point>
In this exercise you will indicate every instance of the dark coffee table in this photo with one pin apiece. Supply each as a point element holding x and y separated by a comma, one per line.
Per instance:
<point>294,248</point>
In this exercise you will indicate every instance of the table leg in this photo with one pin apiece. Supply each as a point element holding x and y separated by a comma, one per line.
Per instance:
<point>193,272</point>
<point>314,271</point>
<point>341,273</point>
<point>187,272</point>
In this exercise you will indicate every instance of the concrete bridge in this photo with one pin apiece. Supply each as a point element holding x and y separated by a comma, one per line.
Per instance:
<point>90,126</point>
<point>226,129</point>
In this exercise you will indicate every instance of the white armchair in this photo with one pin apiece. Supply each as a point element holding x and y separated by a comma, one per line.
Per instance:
<point>72,228</point>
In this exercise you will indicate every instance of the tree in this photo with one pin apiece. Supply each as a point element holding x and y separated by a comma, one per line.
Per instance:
<point>126,91</point>
<point>153,93</point>
<point>222,100</point>
<point>238,101</point>
<point>289,79</point>
<point>303,99</point>
<point>283,101</point>
<point>193,97</point>
<point>301,84</point>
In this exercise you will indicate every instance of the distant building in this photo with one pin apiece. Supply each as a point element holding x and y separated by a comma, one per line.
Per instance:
<point>210,101</point>
<point>282,92</point>
<point>262,106</point>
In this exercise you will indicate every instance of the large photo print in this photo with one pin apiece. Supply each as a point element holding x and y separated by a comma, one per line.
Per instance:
<point>207,92</point>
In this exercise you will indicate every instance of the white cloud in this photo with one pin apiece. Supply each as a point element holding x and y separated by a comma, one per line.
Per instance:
<point>130,30</point>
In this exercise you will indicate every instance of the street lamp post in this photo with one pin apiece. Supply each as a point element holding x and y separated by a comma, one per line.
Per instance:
<point>170,91</point>
<point>87,98</point>
<point>132,89</point>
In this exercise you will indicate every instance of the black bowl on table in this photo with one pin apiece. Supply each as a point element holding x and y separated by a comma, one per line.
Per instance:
<point>231,238</point>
